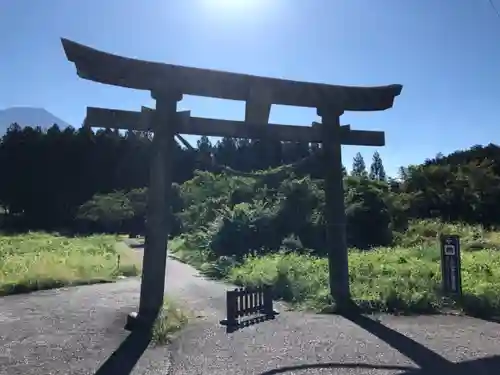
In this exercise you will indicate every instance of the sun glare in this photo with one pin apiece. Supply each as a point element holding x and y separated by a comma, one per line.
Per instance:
<point>238,13</point>
<point>232,5</point>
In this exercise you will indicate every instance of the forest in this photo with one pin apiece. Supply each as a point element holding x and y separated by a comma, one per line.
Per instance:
<point>264,207</point>
<point>48,175</point>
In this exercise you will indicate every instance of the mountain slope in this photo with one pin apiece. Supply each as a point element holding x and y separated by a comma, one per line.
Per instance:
<point>28,116</point>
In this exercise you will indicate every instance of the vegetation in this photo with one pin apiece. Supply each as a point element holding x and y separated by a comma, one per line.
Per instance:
<point>397,279</point>
<point>170,320</point>
<point>69,167</point>
<point>404,278</point>
<point>37,261</point>
<point>269,226</point>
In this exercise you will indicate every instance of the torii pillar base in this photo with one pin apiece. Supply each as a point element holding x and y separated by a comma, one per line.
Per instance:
<point>136,322</point>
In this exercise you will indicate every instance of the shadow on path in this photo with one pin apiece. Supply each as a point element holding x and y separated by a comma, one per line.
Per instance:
<point>428,361</point>
<point>282,370</point>
<point>123,360</point>
<point>135,245</point>
<point>425,358</point>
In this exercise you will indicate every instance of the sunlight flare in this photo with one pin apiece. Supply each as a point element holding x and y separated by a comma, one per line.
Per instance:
<point>233,5</point>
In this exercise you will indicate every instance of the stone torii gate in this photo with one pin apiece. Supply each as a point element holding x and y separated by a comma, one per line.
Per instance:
<point>167,84</point>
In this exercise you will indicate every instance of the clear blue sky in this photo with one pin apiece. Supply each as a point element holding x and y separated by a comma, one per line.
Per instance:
<point>446,53</point>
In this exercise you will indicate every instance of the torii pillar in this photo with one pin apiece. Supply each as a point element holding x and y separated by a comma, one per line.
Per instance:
<point>158,213</point>
<point>336,240</point>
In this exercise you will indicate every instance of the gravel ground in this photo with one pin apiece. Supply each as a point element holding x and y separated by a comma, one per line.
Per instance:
<point>75,330</point>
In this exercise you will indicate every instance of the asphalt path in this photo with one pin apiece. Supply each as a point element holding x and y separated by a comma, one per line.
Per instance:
<point>80,331</point>
<point>304,343</point>
<point>70,331</point>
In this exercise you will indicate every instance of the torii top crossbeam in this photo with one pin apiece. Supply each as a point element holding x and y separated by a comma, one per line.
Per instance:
<point>115,70</point>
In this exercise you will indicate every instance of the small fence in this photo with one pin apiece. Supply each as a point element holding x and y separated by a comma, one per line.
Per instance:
<point>256,303</point>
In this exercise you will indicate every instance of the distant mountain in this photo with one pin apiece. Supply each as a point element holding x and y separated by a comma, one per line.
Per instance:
<point>28,116</point>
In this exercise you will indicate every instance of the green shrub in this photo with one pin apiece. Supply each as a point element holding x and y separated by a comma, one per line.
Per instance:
<point>107,210</point>
<point>122,211</point>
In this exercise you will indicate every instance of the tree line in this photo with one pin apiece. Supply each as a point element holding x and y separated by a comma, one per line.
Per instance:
<point>46,176</point>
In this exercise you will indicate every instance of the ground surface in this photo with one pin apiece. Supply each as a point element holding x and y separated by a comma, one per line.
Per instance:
<point>74,331</point>
<point>301,343</point>
<point>70,331</point>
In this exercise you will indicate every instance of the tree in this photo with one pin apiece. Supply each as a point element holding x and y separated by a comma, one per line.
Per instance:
<point>377,171</point>
<point>205,150</point>
<point>368,216</point>
<point>226,152</point>
<point>358,166</point>
<point>403,174</point>
<point>48,174</point>
<point>107,211</point>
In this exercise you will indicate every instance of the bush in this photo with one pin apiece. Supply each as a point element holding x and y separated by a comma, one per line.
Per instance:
<point>122,211</point>
<point>250,218</point>
<point>108,211</point>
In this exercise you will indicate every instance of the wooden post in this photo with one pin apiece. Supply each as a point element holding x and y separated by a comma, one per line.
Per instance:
<point>231,307</point>
<point>268,301</point>
<point>159,207</point>
<point>334,208</point>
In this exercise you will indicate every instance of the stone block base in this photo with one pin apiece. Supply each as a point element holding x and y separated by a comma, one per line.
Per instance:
<point>136,322</point>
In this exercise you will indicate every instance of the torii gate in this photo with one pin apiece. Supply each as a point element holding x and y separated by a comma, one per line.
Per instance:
<point>167,84</point>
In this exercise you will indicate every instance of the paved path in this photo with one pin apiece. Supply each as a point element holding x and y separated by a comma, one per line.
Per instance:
<point>302,343</point>
<point>74,331</point>
<point>70,331</point>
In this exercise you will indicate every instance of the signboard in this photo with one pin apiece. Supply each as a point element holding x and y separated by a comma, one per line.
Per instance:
<point>450,265</point>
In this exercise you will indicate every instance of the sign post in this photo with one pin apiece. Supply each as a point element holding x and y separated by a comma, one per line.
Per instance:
<point>450,265</point>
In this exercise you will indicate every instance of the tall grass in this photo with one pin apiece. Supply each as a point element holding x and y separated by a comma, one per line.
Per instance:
<point>36,261</point>
<point>170,320</point>
<point>385,279</point>
<point>426,232</point>
<point>405,278</point>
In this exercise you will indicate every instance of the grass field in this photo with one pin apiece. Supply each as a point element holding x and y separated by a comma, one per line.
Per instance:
<point>405,278</point>
<point>391,280</point>
<point>37,261</point>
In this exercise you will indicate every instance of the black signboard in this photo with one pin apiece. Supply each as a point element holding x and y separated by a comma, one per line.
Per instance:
<point>450,265</point>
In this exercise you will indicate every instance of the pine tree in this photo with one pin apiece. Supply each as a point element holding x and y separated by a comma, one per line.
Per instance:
<point>358,166</point>
<point>403,174</point>
<point>377,171</point>
<point>204,145</point>
<point>205,152</point>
